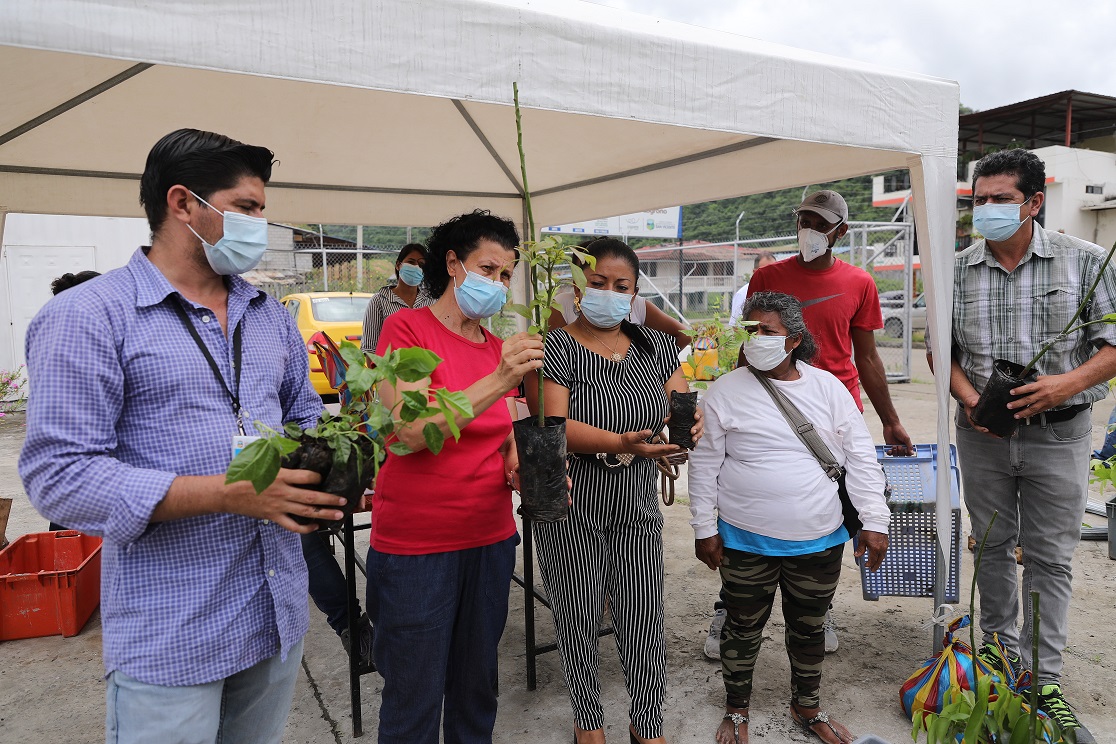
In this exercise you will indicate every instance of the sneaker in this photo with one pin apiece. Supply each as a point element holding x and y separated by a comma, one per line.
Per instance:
<point>829,625</point>
<point>712,649</point>
<point>1053,704</point>
<point>995,659</point>
<point>364,661</point>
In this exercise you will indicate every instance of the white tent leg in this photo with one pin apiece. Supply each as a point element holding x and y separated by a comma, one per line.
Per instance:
<point>933,182</point>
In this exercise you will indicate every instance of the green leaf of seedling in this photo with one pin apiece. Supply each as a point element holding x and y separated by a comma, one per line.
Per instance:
<point>398,448</point>
<point>532,329</point>
<point>352,354</point>
<point>416,364</point>
<point>414,406</point>
<point>257,463</point>
<point>1109,317</point>
<point>976,720</point>
<point>292,429</point>
<point>283,445</point>
<point>342,448</point>
<point>578,276</point>
<point>451,422</point>
<point>359,380</point>
<point>521,310</point>
<point>434,437</point>
<point>457,400</point>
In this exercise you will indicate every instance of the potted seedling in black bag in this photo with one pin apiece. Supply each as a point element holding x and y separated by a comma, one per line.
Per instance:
<point>541,439</point>
<point>347,449</point>
<point>991,410</point>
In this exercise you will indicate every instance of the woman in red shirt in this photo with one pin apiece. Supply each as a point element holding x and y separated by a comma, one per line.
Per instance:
<point>443,535</point>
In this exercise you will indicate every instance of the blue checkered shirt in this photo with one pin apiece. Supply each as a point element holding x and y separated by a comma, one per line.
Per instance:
<point>122,401</point>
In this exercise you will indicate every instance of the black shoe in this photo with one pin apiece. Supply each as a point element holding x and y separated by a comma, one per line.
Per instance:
<point>1001,663</point>
<point>1054,705</point>
<point>365,664</point>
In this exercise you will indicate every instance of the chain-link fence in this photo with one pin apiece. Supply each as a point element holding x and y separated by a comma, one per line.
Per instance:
<point>696,281</point>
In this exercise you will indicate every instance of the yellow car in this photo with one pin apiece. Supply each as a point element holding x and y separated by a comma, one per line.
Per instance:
<point>339,315</point>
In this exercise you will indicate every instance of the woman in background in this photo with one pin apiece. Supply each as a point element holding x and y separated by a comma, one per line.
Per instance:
<point>407,291</point>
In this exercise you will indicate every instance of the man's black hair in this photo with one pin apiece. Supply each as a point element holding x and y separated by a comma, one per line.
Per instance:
<point>462,235</point>
<point>1029,171</point>
<point>204,162</point>
<point>68,280</point>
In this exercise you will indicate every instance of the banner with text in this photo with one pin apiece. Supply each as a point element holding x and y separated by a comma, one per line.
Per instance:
<point>658,223</point>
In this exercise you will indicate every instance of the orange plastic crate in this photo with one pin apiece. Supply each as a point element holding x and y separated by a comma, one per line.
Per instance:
<point>50,583</point>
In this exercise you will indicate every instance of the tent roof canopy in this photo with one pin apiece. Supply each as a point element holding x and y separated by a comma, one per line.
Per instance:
<point>622,112</point>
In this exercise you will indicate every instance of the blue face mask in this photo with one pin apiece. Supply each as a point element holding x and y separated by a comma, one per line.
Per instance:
<point>478,297</point>
<point>998,222</point>
<point>242,243</point>
<point>605,309</point>
<point>410,274</point>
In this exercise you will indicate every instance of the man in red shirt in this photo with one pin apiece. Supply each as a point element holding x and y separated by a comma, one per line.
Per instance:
<point>841,307</point>
<point>842,310</point>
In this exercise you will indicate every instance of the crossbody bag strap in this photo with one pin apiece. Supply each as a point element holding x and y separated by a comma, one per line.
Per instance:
<point>802,427</point>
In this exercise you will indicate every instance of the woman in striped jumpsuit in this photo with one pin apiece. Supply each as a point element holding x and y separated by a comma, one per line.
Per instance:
<point>610,379</point>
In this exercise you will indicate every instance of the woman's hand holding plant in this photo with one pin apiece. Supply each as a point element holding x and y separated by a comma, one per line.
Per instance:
<point>635,443</point>
<point>522,353</point>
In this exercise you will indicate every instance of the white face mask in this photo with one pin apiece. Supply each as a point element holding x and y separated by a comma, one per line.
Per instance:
<point>813,244</point>
<point>765,353</point>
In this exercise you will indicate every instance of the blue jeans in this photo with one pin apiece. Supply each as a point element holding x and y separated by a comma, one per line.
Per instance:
<point>1108,449</point>
<point>438,620</point>
<point>327,581</point>
<point>250,707</point>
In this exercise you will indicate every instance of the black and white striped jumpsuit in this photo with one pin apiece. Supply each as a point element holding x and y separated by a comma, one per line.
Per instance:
<point>611,547</point>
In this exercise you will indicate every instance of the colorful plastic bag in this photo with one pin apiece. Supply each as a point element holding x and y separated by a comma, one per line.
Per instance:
<point>925,690</point>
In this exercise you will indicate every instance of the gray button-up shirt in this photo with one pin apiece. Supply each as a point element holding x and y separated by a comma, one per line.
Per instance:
<point>1000,314</point>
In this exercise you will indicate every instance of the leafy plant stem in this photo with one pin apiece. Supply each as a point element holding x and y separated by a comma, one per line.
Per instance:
<point>1080,309</point>
<point>540,323</point>
<point>972,594</point>
<point>1033,722</point>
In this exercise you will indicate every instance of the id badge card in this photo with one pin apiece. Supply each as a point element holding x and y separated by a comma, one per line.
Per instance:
<point>240,441</point>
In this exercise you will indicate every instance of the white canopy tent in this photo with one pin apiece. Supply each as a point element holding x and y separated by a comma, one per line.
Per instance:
<point>395,112</point>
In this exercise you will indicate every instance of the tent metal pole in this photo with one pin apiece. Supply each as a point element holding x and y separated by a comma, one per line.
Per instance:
<point>74,102</point>
<point>360,257</point>
<point>488,146</point>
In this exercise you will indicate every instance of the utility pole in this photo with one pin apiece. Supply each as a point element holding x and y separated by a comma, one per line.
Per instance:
<point>736,253</point>
<point>360,258</point>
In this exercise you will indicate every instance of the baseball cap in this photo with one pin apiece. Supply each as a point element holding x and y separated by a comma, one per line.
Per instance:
<point>829,205</point>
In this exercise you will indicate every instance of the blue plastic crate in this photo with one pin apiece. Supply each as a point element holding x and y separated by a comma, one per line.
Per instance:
<point>910,569</point>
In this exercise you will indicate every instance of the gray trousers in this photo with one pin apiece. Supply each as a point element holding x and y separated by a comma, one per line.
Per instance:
<point>1038,482</point>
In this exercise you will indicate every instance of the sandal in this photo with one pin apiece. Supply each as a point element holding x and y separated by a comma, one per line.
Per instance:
<point>737,719</point>
<point>808,723</point>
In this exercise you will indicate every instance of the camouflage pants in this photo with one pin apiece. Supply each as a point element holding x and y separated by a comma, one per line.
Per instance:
<point>808,583</point>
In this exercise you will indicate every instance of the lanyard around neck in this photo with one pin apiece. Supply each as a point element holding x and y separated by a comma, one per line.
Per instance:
<point>234,393</point>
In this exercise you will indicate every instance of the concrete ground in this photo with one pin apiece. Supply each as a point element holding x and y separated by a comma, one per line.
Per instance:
<point>51,689</point>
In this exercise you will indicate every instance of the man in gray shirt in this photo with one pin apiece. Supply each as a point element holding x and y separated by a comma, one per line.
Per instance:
<point>1013,292</point>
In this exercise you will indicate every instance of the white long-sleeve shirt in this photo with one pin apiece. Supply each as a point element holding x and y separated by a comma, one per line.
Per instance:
<point>753,471</point>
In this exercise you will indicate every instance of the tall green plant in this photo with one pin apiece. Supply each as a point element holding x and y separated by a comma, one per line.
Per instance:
<point>542,258</point>
<point>993,713</point>
<point>1070,327</point>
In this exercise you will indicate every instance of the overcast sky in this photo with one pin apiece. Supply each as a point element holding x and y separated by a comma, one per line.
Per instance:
<point>1000,52</point>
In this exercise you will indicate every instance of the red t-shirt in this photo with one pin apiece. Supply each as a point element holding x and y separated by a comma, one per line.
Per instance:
<point>834,302</point>
<point>459,498</point>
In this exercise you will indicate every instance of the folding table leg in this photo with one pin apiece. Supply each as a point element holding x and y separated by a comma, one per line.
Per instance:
<point>529,600</point>
<point>354,625</point>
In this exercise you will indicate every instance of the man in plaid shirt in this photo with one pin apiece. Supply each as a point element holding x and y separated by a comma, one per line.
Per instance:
<point>141,379</point>
<point>1015,291</point>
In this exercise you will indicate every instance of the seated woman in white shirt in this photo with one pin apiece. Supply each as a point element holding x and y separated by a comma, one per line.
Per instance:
<point>643,313</point>
<point>767,515</point>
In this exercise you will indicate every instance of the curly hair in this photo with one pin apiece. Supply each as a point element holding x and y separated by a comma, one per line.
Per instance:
<point>462,235</point>
<point>789,311</point>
